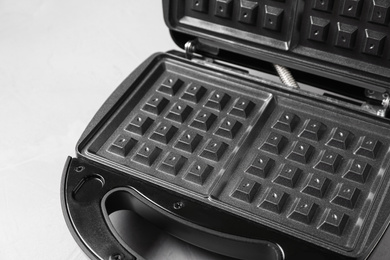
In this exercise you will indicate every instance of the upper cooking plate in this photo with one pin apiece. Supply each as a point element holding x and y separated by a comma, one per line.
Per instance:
<point>347,40</point>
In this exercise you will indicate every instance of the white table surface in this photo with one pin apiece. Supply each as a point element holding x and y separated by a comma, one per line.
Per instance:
<point>59,61</point>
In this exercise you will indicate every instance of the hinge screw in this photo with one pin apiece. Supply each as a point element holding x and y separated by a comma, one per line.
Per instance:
<point>178,205</point>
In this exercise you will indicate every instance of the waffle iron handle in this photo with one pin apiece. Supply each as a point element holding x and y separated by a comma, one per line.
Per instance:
<point>90,194</point>
<point>192,223</point>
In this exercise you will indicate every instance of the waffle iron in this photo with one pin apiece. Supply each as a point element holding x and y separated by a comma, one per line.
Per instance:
<point>202,147</point>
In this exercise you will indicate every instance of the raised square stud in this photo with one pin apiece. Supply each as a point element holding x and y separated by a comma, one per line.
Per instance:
<point>319,28</point>
<point>301,152</point>
<point>198,173</point>
<point>274,201</point>
<point>172,164</point>
<point>171,85</point>
<point>323,5</point>
<point>368,147</point>
<point>329,162</point>
<point>351,8</point>
<point>242,108</point>
<point>218,100</point>
<point>317,186</point>
<point>260,166</point>
<point>288,176</point>
<point>214,150</point>
<point>313,130</point>
<point>147,154</point>
<point>179,112</point>
<point>122,145</point>
<point>358,171</point>
<point>228,128</point>
<point>164,133</point>
<point>204,120</point>
<point>374,43</point>
<point>304,211</point>
<point>194,93</point>
<point>246,190</point>
<point>346,196</point>
<point>379,12</point>
<point>248,12</point>
<point>340,138</point>
<point>188,141</point>
<point>273,18</point>
<point>346,35</point>
<point>200,5</point>
<point>274,143</point>
<point>287,122</point>
<point>156,104</point>
<point>140,124</point>
<point>334,222</point>
<point>223,8</point>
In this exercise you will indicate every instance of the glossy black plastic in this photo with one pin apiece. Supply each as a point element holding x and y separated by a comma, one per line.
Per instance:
<point>222,160</point>
<point>331,147</point>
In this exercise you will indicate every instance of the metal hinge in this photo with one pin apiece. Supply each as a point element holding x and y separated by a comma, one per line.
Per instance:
<point>197,46</point>
<point>191,47</point>
<point>381,109</point>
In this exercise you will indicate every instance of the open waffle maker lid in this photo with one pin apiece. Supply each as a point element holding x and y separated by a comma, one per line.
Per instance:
<point>347,40</point>
<point>308,172</point>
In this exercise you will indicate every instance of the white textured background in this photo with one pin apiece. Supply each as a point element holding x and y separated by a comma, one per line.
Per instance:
<point>59,61</point>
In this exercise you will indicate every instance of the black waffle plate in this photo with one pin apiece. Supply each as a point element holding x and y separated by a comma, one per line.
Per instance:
<point>298,164</point>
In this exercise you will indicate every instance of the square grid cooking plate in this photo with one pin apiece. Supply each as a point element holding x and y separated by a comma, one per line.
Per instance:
<point>298,165</point>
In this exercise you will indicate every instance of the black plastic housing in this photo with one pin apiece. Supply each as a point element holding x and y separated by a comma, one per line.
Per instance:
<point>222,159</point>
<point>269,104</point>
